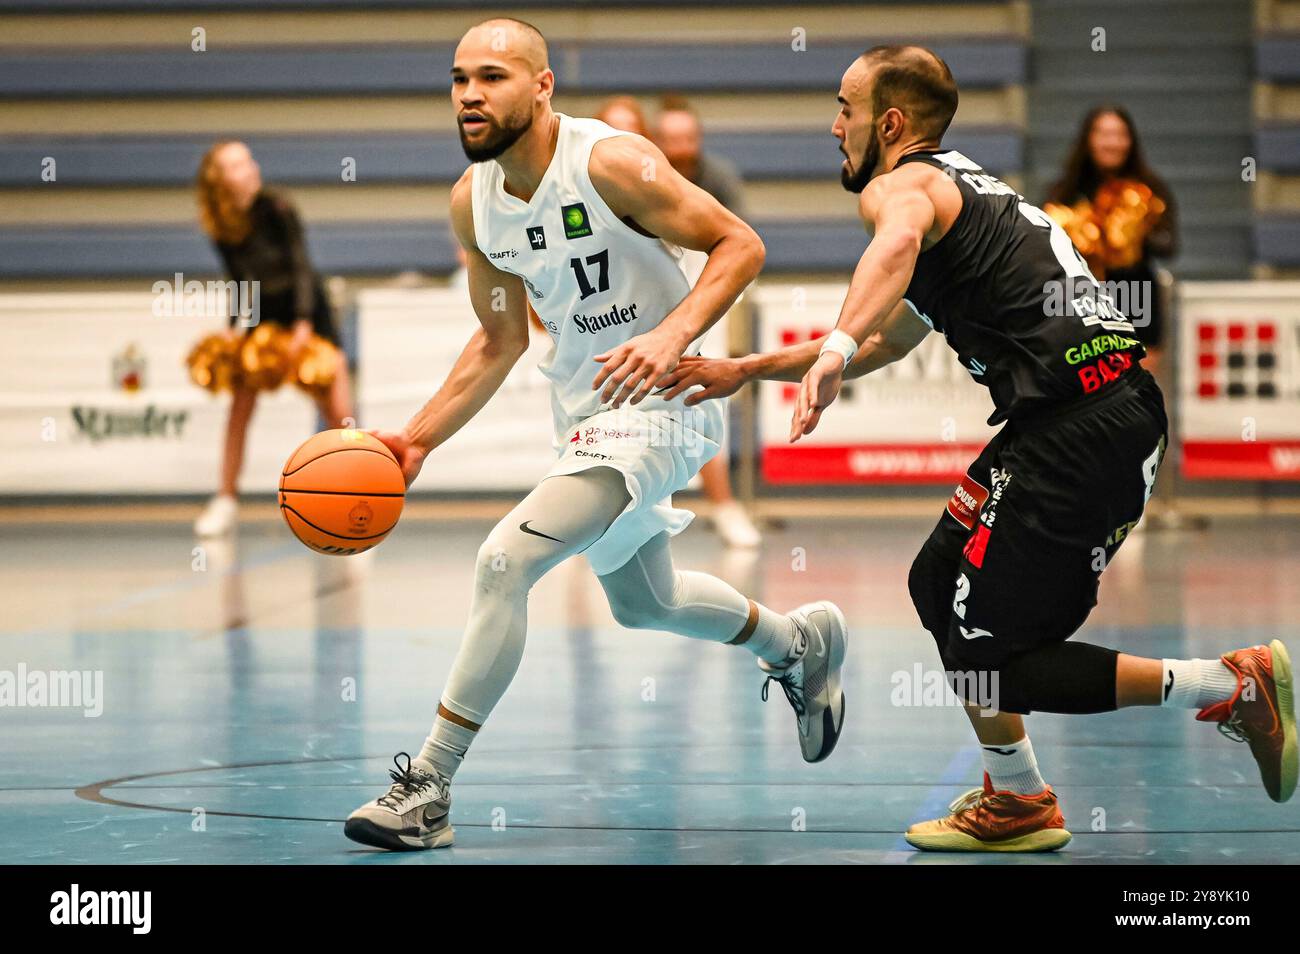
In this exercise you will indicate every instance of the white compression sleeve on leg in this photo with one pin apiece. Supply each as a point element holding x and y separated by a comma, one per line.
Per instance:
<point>649,593</point>
<point>564,515</point>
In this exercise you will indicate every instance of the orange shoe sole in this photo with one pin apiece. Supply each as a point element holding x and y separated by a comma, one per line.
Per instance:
<point>1286,711</point>
<point>1046,839</point>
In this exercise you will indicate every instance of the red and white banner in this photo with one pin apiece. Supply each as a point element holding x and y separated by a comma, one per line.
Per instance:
<point>867,463</point>
<point>1239,368</point>
<point>920,420</point>
<point>1255,460</point>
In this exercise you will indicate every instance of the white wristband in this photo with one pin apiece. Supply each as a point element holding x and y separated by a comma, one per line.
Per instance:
<point>842,344</point>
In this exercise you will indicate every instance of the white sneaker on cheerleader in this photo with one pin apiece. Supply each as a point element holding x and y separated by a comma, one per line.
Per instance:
<point>735,527</point>
<point>218,517</point>
<point>812,681</point>
<point>413,814</point>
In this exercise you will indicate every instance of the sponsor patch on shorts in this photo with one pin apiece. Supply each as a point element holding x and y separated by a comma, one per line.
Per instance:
<point>966,500</point>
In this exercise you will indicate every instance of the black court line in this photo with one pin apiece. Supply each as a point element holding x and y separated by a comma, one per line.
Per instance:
<point>94,792</point>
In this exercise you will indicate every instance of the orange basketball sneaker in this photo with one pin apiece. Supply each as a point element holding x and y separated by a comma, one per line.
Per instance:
<point>1264,717</point>
<point>985,820</point>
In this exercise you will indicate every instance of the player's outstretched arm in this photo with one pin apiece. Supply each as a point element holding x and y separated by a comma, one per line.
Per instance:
<point>638,184</point>
<point>494,348</point>
<point>720,377</point>
<point>903,213</point>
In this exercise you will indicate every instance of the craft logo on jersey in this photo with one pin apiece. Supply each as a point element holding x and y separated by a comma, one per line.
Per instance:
<point>576,224</point>
<point>536,238</point>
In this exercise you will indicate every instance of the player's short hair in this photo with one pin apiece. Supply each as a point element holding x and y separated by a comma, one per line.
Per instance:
<point>531,33</point>
<point>917,82</point>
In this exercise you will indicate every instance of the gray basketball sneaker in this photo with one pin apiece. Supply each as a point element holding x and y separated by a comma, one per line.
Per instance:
<point>811,678</point>
<point>414,814</point>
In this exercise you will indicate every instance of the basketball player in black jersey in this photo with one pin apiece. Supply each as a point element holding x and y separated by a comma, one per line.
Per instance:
<point>1011,570</point>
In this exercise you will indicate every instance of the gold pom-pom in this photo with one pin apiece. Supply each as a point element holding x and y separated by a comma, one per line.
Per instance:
<point>264,357</point>
<point>317,365</point>
<point>1128,211</point>
<point>1080,223</point>
<point>214,363</point>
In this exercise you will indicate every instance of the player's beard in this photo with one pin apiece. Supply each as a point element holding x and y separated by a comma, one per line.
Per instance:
<point>500,137</point>
<point>855,181</point>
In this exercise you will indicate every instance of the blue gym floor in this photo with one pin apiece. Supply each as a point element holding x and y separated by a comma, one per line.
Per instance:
<point>231,731</point>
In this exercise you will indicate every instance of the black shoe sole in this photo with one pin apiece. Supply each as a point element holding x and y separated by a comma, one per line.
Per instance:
<point>365,832</point>
<point>828,731</point>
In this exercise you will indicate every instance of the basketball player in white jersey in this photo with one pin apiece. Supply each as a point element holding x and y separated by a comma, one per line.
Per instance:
<point>586,224</point>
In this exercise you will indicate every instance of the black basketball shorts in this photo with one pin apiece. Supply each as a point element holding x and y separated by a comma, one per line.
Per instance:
<point>1016,558</point>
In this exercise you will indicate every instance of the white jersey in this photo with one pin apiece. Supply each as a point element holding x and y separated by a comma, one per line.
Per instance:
<point>593,280</point>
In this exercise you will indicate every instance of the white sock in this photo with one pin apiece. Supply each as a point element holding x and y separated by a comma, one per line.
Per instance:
<point>1196,683</point>
<point>776,639</point>
<point>1013,768</point>
<point>445,748</point>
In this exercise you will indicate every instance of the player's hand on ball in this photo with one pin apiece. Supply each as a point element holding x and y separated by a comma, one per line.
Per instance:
<point>818,390</point>
<point>409,454</point>
<point>721,377</point>
<point>633,369</point>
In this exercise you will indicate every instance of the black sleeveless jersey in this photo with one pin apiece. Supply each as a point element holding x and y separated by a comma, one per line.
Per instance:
<point>1016,301</point>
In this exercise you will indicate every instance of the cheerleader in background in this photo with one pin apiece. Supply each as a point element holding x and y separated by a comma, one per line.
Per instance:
<point>260,239</point>
<point>1120,215</point>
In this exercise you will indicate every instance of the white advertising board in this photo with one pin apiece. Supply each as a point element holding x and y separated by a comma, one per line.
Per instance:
<point>95,398</point>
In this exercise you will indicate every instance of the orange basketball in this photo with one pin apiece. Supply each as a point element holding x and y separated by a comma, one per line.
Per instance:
<point>341,492</point>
